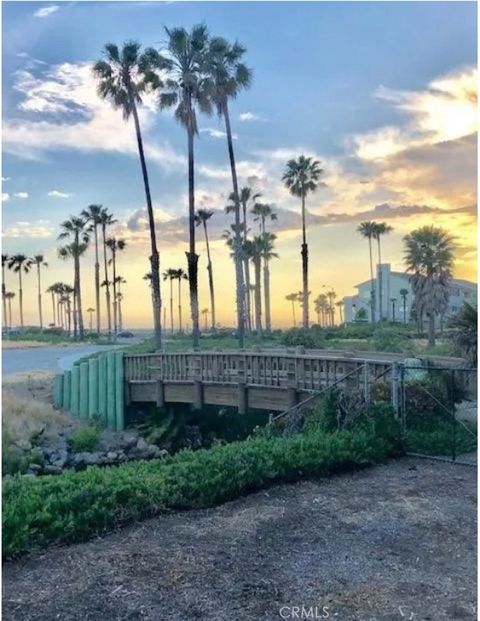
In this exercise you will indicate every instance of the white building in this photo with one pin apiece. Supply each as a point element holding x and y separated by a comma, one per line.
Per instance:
<point>392,283</point>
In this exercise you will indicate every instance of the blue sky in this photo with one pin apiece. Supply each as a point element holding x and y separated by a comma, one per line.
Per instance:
<point>355,84</point>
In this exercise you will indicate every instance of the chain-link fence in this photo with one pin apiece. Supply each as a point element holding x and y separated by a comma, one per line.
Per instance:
<point>438,412</point>
<point>435,406</point>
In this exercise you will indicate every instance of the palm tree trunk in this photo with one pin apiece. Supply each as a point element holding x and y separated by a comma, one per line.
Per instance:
<point>75,314</point>
<point>247,271</point>
<point>39,298</point>
<point>154,257</point>
<point>10,312</point>
<point>20,295</point>
<point>81,331</point>
<point>69,317</point>
<point>192,256</point>
<point>114,281</point>
<point>4,299</point>
<point>380,281</point>
<point>97,278</point>
<point>53,306</point>
<point>171,304</point>
<point>266,285</point>
<point>431,330</point>
<point>240,290</point>
<point>210,277</point>
<point>372,286</point>
<point>404,310</point>
<point>120,318</point>
<point>258,295</point>
<point>180,305</point>
<point>293,313</point>
<point>304,254</point>
<point>107,283</point>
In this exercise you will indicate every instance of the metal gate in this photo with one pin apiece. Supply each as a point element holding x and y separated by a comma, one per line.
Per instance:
<point>438,412</point>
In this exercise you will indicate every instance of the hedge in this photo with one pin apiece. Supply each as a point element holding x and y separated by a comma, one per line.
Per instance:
<point>75,506</point>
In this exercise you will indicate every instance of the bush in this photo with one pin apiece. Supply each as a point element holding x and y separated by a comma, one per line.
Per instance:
<point>77,505</point>
<point>389,339</point>
<point>85,439</point>
<point>312,338</point>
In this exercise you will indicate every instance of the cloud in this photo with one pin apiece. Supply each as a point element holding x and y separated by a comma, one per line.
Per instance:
<point>58,194</point>
<point>65,112</point>
<point>6,179</point>
<point>446,110</point>
<point>21,194</point>
<point>41,229</point>
<point>5,196</point>
<point>46,10</point>
<point>248,116</point>
<point>216,133</point>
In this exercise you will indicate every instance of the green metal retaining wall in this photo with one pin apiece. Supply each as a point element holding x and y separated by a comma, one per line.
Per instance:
<point>94,388</point>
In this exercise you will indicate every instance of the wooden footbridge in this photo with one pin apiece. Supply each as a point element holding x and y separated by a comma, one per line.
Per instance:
<point>274,381</point>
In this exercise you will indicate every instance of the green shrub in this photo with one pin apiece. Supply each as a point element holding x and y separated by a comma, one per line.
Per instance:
<point>85,439</point>
<point>434,435</point>
<point>311,338</point>
<point>77,505</point>
<point>389,339</point>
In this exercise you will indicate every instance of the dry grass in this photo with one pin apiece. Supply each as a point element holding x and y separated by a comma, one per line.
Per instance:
<point>23,344</point>
<point>26,403</point>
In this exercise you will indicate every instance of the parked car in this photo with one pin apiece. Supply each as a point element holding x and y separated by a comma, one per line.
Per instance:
<point>125,334</point>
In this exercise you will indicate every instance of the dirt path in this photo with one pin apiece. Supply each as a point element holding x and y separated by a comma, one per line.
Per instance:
<point>389,543</point>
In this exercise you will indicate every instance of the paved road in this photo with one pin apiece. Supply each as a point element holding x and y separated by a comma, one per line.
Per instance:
<point>54,358</point>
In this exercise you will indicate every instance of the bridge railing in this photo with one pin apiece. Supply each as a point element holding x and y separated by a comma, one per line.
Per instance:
<point>302,371</point>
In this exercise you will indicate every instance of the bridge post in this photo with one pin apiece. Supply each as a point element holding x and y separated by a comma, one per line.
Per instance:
<point>242,398</point>
<point>160,393</point>
<point>198,395</point>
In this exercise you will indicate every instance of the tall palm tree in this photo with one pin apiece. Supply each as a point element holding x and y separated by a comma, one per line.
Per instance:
<point>404,294</point>
<point>67,292</point>
<point>115,245</point>
<point>90,311</point>
<point>321,308</point>
<point>292,297</point>
<point>72,251</point>
<point>51,290</point>
<point>170,275</point>
<point>246,196</point>
<point>255,249</point>
<point>76,229</point>
<point>205,315</point>
<point>106,220</point>
<point>39,261</point>
<point>9,295</point>
<point>339,305</point>
<point>331,295</point>
<point>180,275</point>
<point>368,229</point>
<point>120,280</point>
<point>380,228</point>
<point>268,240</point>
<point>186,90</point>
<point>201,218</point>
<point>20,264</point>
<point>4,289</point>
<point>393,301</point>
<point>302,177</point>
<point>94,215</point>
<point>261,213</point>
<point>230,75</point>
<point>429,253</point>
<point>123,78</point>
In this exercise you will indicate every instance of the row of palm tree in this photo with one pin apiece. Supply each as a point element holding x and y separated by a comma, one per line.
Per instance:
<point>374,231</point>
<point>21,265</point>
<point>203,74</point>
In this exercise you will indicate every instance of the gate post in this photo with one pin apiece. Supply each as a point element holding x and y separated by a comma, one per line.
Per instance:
<point>395,388</point>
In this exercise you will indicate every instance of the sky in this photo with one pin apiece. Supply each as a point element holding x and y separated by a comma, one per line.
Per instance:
<point>382,94</point>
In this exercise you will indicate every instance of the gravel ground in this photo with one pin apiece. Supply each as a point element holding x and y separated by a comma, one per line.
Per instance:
<point>391,543</point>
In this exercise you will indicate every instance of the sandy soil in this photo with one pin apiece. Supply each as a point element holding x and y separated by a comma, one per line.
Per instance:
<point>25,344</point>
<point>389,543</point>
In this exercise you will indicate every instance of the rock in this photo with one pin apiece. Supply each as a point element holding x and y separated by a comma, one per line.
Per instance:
<point>112,455</point>
<point>193,436</point>
<point>129,440</point>
<point>34,468</point>
<point>61,458</point>
<point>142,444</point>
<point>24,445</point>
<point>49,469</point>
